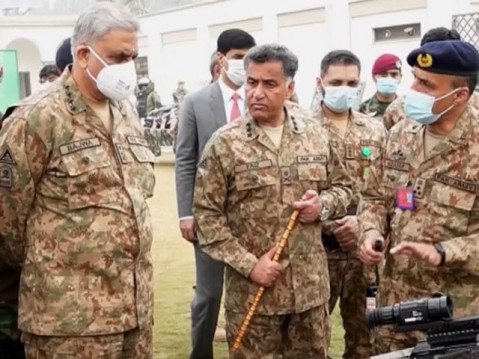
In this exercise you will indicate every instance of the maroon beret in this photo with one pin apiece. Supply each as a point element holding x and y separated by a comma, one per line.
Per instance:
<point>386,62</point>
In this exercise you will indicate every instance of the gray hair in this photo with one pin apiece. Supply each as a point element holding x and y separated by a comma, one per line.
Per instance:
<point>99,20</point>
<point>273,52</point>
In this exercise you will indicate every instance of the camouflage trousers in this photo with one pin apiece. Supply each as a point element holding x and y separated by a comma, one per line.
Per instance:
<point>348,282</point>
<point>134,344</point>
<point>292,336</point>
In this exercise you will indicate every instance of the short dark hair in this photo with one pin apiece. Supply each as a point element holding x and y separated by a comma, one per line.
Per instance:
<point>440,34</point>
<point>339,57</point>
<point>273,52</point>
<point>48,70</point>
<point>234,39</point>
<point>64,55</point>
<point>465,81</point>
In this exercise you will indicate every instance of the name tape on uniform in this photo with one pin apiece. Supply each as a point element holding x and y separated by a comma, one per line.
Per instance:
<point>456,183</point>
<point>397,165</point>
<point>370,143</point>
<point>79,145</point>
<point>312,159</point>
<point>140,141</point>
<point>254,166</point>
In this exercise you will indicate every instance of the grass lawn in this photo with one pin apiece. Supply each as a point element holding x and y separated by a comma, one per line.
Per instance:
<point>174,279</point>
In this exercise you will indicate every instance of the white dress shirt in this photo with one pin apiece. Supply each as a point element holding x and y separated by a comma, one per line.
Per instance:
<point>228,101</point>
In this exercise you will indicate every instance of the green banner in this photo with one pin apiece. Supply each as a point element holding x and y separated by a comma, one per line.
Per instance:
<point>10,85</point>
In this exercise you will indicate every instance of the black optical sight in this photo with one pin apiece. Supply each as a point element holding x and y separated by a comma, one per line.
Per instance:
<point>413,313</point>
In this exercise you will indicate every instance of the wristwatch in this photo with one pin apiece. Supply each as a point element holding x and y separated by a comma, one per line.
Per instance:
<point>440,249</point>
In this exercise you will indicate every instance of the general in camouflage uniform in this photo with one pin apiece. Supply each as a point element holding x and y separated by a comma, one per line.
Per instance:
<point>358,140</point>
<point>73,190</point>
<point>428,195</point>
<point>249,180</point>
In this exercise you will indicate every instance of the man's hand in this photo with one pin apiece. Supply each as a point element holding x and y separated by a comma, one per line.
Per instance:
<point>367,253</point>
<point>347,233</point>
<point>266,271</point>
<point>188,229</point>
<point>309,207</point>
<point>423,251</point>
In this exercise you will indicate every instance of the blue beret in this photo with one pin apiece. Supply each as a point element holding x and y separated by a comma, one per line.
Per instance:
<point>450,57</point>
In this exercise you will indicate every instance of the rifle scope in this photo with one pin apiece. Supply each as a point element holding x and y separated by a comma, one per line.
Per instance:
<point>419,311</point>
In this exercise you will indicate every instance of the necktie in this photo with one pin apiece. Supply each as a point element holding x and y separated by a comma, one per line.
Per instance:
<point>235,110</point>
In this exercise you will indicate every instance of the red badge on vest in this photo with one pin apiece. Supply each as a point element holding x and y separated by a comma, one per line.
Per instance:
<point>405,199</point>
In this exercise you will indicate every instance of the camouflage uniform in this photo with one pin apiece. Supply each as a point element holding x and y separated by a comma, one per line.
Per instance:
<point>75,217</point>
<point>348,277</point>
<point>446,211</point>
<point>395,112</point>
<point>134,344</point>
<point>244,191</point>
<point>373,107</point>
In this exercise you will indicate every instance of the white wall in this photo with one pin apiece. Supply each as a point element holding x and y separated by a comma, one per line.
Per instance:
<point>189,60</point>
<point>192,62</point>
<point>35,40</point>
<point>363,45</point>
<point>307,42</point>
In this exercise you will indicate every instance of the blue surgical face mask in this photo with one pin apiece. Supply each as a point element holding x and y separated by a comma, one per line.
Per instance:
<point>387,85</point>
<point>418,106</point>
<point>340,98</point>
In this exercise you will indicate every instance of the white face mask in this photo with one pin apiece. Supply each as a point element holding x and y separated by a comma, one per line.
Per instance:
<point>236,72</point>
<point>117,81</point>
<point>340,98</point>
<point>418,106</point>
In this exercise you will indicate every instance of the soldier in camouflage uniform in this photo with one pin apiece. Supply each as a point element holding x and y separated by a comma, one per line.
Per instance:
<point>395,111</point>
<point>252,175</point>
<point>387,76</point>
<point>358,140</point>
<point>73,189</point>
<point>428,194</point>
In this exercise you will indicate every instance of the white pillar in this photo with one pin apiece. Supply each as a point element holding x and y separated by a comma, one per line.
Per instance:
<point>338,24</point>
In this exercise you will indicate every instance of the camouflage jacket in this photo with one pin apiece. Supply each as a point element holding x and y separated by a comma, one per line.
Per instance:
<point>446,188</point>
<point>74,214</point>
<point>360,152</point>
<point>373,107</point>
<point>244,192</point>
<point>394,113</point>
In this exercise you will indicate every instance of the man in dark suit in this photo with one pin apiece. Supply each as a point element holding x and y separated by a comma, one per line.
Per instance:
<point>202,113</point>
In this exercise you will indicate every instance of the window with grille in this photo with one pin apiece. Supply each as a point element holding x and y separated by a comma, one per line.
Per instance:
<point>467,25</point>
